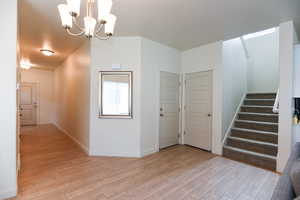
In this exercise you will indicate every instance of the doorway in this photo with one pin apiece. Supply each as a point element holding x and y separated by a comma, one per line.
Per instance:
<point>198,109</point>
<point>169,109</point>
<point>28,104</point>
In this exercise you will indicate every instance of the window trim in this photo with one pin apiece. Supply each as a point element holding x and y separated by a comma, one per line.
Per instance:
<point>130,92</point>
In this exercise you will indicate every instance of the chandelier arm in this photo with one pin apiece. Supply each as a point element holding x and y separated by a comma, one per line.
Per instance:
<point>74,34</point>
<point>102,37</point>
<point>76,24</point>
<point>100,28</point>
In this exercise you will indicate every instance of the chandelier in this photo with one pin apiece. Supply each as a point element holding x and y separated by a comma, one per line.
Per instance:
<point>101,28</point>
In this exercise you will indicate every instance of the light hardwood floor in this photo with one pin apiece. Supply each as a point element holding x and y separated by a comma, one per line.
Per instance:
<point>53,167</point>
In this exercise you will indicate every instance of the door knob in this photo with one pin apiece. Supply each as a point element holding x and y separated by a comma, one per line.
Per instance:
<point>161,115</point>
<point>209,115</point>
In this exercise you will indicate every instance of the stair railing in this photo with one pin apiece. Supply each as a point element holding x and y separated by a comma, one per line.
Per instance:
<point>276,103</point>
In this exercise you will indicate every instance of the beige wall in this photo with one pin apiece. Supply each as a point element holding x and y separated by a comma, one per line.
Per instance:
<point>45,93</point>
<point>72,96</point>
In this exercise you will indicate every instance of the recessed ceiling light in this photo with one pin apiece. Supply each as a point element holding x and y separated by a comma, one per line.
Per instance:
<point>47,52</point>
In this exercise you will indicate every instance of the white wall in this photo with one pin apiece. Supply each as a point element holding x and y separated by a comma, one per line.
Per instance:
<point>203,58</point>
<point>115,137</point>
<point>138,136</point>
<point>72,96</point>
<point>8,55</point>
<point>234,80</point>
<point>155,58</point>
<point>297,71</point>
<point>286,68</point>
<point>45,92</point>
<point>263,66</point>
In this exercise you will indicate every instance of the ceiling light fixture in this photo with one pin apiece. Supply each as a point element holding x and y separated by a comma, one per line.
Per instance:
<point>103,28</point>
<point>25,64</point>
<point>47,52</point>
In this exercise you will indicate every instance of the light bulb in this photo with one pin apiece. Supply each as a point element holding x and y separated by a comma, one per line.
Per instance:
<point>104,8</point>
<point>89,26</point>
<point>66,18</point>
<point>110,24</point>
<point>74,7</point>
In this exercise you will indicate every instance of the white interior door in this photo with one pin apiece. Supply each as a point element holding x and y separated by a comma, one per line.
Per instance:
<point>198,106</point>
<point>28,104</point>
<point>169,109</point>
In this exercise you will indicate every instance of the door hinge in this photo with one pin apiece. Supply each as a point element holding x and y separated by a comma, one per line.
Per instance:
<point>179,110</point>
<point>184,132</point>
<point>184,107</point>
<point>178,135</point>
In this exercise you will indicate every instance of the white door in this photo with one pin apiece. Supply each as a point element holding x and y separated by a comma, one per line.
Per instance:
<point>169,109</point>
<point>28,104</point>
<point>198,106</point>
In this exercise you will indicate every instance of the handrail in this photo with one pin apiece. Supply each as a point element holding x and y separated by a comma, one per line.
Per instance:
<point>276,103</point>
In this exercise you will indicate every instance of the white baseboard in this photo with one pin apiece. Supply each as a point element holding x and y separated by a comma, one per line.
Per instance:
<point>83,147</point>
<point>149,152</point>
<point>114,154</point>
<point>233,119</point>
<point>8,193</point>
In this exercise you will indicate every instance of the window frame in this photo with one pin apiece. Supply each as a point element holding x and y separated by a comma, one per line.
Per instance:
<point>100,96</point>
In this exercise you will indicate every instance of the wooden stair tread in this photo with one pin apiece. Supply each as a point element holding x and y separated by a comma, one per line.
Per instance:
<point>250,152</point>
<point>253,141</point>
<point>255,131</point>
<point>253,138</point>
<point>262,114</point>
<point>256,122</point>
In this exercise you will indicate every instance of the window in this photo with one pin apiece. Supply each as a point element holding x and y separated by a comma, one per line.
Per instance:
<point>258,34</point>
<point>115,94</point>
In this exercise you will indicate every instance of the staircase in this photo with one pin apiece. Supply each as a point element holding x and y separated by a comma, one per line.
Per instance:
<point>253,138</point>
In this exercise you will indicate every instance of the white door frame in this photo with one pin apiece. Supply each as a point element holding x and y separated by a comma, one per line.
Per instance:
<point>183,105</point>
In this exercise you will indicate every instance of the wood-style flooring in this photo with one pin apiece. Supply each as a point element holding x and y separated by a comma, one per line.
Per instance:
<point>54,167</point>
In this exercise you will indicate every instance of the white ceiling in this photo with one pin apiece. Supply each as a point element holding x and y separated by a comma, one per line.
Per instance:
<point>182,24</point>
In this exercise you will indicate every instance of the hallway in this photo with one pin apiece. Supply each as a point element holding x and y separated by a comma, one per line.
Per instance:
<point>53,167</point>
